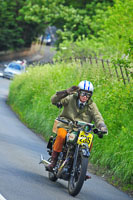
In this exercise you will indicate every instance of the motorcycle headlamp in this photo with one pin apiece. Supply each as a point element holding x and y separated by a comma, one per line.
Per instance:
<point>87,128</point>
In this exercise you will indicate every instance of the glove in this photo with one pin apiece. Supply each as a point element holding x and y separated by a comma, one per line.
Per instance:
<point>72,89</point>
<point>64,93</point>
<point>104,129</point>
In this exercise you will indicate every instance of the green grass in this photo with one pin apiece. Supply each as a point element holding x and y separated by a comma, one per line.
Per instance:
<point>30,96</point>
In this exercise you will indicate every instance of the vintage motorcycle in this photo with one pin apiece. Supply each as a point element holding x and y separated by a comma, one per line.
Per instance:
<point>73,160</point>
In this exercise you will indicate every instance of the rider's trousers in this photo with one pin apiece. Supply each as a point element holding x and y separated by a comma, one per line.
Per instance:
<point>60,140</point>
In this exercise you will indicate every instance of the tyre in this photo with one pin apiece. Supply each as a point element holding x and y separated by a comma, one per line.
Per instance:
<point>76,182</point>
<point>52,176</point>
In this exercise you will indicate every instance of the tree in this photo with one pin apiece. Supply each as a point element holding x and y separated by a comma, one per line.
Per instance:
<point>10,32</point>
<point>16,31</point>
<point>117,30</point>
<point>25,20</point>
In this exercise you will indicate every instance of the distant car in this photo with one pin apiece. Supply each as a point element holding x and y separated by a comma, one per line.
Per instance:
<point>13,69</point>
<point>48,40</point>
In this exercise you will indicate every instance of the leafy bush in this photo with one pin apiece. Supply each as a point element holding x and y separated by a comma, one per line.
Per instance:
<point>115,103</point>
<point>30,97</point>
<point>111,38</point>
<point>72,19</point>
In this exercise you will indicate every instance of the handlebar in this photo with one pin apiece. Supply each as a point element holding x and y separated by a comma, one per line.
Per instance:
<point>62,120</point>
<point>76,124</point>
<point>80,124</point>
<point>98,131</point>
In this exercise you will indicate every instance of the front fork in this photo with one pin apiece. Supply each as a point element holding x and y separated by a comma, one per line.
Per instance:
<point>75,160</point>
<point>85,153</point>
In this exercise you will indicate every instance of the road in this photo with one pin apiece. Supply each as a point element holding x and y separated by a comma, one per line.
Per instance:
<point>43,55</point>
<point>22,178</point>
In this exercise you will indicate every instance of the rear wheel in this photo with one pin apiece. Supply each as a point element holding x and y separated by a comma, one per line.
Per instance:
<point>76,182</point>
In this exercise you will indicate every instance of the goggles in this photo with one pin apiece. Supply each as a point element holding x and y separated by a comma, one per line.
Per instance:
<point>82,93</point>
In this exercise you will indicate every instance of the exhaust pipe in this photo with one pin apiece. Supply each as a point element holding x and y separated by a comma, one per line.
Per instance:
<point>42,161</point>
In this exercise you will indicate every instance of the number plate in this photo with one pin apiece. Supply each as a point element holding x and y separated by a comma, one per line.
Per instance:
<point>85,139</point>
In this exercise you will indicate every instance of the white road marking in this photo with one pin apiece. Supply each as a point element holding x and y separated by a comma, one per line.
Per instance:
<point>2,198</point>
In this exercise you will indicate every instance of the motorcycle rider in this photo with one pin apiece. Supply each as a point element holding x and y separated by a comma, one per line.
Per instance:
<point>78,106</point>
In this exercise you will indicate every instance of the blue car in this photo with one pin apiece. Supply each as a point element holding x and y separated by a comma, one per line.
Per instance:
<point>48,40</point>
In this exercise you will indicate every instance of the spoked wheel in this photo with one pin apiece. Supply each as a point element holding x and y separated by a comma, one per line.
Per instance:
<point>76,182</point>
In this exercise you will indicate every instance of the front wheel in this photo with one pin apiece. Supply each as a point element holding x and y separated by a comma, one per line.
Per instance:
<point>76,182</point>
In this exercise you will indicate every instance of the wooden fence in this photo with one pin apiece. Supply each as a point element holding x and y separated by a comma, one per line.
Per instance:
<point>109,68</point>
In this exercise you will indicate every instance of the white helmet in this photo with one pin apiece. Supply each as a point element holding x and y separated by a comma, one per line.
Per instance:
<point>86,85</point>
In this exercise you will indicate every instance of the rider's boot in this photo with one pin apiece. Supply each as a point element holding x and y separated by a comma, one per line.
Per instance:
<point>54,159</point>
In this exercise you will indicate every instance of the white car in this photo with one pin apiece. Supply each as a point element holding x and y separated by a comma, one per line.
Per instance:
<point>1,74</point>
<point>12,69</point>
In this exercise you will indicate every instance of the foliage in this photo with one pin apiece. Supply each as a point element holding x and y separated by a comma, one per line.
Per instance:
<point>117,32</point>
<point>79,49</point>
<point>30,96</point>
<point>25,20</point>
<point>111,38</point>
<point>125,63</point>
<point>115,103</point>
<point>15,30</point>
<point>73,19</point>
<point>106,25</point>
<point>10,29</point>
